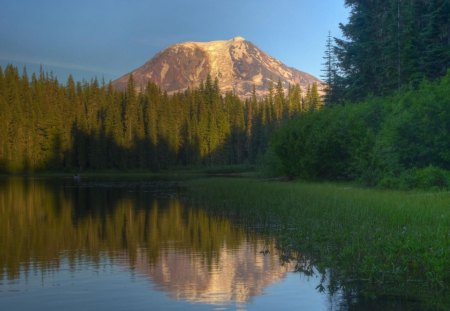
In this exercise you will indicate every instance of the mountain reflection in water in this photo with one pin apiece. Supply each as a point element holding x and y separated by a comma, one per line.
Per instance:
<point>235,274</point>
<point>141,226</point>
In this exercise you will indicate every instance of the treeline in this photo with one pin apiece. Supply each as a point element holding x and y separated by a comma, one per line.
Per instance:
<point>387,121</point>
<point>400,141</point>
<point>388,45</point>
<point>80,125</point>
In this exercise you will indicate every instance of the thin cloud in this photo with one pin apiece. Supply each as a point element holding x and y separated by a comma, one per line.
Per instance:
<point>61,65</point>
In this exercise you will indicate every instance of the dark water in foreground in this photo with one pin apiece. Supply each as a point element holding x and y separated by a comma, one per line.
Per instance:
<point>121,245</point>
<point>136,245</point>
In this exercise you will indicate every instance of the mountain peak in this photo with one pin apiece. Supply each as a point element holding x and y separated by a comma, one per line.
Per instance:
<point>237,64</point>
<point>238,39</point>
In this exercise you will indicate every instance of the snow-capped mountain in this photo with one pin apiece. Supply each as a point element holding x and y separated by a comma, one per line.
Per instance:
<point>237,64</point>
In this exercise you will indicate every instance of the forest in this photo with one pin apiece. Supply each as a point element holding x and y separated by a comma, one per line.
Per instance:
<point>387,116</point>
<point>384,118</point>
<point>387,46</point>
<point>87,126</point>
<point>400,141</point>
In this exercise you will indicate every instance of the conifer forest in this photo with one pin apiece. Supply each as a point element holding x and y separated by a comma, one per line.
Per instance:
<point>78,126</point>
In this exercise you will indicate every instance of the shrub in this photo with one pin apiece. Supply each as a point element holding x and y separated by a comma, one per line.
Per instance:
<point>389,182</point>
<point>431,177</point>
<point>428,178</point>
<point>401,141</point>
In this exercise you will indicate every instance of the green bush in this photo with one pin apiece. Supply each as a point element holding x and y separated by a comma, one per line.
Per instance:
<point>428,178</point>
<point>389,182</point>
<point>332,144</point>
<point>398,142</point>
<point>416,132</point>
<point>270,165</point>
<point>431,178</point>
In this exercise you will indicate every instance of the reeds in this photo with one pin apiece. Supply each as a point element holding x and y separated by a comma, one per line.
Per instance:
<point>387,242</point>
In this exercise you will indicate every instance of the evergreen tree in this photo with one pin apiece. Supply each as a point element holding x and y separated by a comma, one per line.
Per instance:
<point>333,87</point>
<point>316,101</point>
<point>130,109</point>
<point>279,102</point>
<point>391,44</point>
<point>251,106</point>
<point>3,127</point>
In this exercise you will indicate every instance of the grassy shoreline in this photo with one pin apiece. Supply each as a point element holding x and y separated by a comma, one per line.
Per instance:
<point>389,243</point>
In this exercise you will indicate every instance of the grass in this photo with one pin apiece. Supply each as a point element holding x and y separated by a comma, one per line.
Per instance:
<point>383,243</point>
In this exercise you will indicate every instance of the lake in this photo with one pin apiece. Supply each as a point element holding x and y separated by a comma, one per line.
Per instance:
<point>123,244</point>
<point>135,245</point>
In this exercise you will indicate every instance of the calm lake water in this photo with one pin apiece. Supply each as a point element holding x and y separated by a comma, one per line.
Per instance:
<point>124,245</point>
<point>136,245</point>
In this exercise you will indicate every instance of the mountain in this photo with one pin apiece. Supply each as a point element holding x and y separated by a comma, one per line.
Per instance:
<point>237,64</point>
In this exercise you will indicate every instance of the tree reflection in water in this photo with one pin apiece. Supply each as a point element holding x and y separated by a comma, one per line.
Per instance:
<point>141,225</point>
<point>145,227</point>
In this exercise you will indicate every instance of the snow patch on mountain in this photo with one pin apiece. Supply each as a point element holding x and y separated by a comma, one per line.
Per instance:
<point>237,64</point>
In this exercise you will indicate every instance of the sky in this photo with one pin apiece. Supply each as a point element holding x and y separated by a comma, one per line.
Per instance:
<point>109,38</point>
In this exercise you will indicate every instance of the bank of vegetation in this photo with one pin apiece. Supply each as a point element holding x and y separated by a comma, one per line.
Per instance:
<point>399,141</point>
<point>377,244</point>
<point>387,116</point>
<point>79,126</point>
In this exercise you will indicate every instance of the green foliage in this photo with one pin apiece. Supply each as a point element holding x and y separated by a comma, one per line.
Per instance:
<point>78,126</point>
<point>415,133</point>
<point>270,165</point>
<point>371,240</point>
<point>375,142</point>
<point>330,76</point>
<point>391,44</point>
<point>334,143</point>
<point>427,178</point>
<point>431,177</point>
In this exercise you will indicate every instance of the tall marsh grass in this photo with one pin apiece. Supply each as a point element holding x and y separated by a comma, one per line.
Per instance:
<point>388,242</point>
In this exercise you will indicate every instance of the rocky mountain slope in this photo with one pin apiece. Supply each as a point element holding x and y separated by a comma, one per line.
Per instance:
<point>237,64</point>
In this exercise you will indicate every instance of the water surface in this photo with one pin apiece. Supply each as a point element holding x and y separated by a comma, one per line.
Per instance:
<point>136,245</point>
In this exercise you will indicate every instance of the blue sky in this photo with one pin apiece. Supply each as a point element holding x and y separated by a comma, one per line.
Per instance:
<point>108,38</point>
